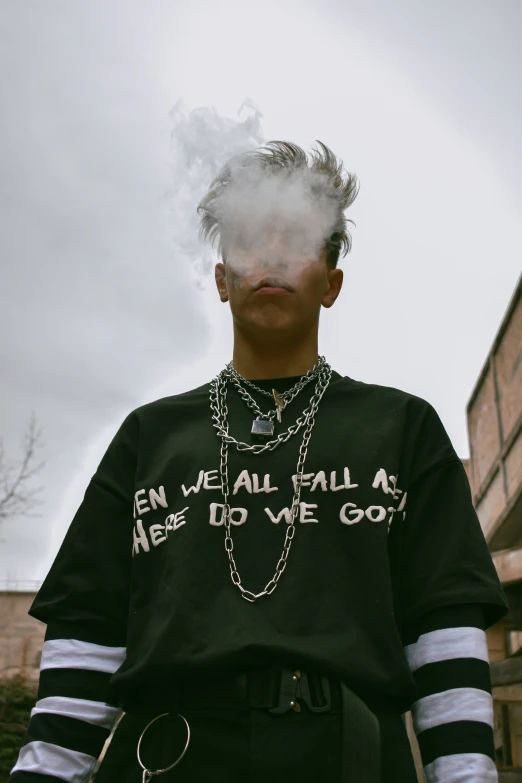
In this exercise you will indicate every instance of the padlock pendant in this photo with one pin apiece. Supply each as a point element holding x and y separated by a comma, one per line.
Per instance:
<point>262,428</point>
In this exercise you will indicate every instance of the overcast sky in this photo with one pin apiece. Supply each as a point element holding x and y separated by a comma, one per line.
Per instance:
<point>115,115</point>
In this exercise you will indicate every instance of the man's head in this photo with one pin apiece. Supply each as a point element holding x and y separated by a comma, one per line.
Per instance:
<point>279,214</point>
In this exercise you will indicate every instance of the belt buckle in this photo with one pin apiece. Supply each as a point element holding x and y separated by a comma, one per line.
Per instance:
<point>295,684</point>
<point>307,698</point>
<point>287,692</point>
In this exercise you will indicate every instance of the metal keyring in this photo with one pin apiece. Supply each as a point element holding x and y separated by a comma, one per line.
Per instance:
<point>147,773</point>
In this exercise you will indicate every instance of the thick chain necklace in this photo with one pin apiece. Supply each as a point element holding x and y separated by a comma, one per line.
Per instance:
<point>218,405</point>
<point>262,425</point>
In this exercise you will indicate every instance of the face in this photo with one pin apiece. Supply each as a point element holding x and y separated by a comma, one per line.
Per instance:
<point>296,312</point>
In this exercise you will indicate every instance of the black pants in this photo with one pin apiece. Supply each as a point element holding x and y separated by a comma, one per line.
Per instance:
<point>247,746</point>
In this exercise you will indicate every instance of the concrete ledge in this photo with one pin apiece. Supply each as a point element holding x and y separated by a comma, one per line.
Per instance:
<point>508,563</point>
<point>515,776</point>
<point>506,672</point>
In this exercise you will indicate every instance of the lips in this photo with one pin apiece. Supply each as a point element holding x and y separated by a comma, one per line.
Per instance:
<point>270,290</point>
<point>273,282</point>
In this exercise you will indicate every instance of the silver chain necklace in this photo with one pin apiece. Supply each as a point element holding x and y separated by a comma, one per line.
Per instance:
<point>218,404</point>
<point>262,425</point>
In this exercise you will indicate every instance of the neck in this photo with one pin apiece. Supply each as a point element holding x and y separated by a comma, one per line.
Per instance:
<point>263,360</point>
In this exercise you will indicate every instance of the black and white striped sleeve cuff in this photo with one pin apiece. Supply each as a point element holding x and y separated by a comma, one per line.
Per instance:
<point>453,714</point>
<point>72,718</point>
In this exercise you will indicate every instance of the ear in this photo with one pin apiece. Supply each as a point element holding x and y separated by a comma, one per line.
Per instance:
<point>221,281</point>
<point>335,278</point>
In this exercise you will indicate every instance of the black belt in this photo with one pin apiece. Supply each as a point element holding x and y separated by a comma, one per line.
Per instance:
<point>281,690</point>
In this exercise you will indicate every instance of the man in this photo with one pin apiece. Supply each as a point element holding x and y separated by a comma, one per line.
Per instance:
<point>268,571</point>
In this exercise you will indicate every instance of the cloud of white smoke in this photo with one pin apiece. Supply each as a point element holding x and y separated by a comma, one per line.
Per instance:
<point>202,141</point>
<point>276,219</point>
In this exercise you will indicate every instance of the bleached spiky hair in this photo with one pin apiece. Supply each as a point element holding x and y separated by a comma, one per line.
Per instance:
<point>327,184</point>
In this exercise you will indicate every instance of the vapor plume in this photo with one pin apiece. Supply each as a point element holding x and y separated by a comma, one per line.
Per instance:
<point>201,141</point>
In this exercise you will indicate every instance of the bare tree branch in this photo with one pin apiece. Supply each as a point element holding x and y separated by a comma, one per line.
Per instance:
<point>15,497</point>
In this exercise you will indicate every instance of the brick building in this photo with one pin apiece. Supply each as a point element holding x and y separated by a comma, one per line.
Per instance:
<point>494,415</point>
<point>21,636</point>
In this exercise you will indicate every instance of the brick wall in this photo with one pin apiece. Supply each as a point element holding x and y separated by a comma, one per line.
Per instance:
<point>21,636</point>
